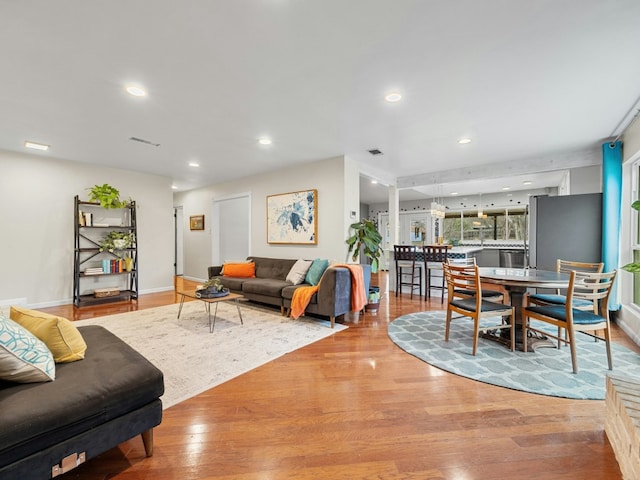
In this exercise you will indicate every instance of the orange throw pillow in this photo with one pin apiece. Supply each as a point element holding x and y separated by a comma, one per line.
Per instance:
<point>244,270</point>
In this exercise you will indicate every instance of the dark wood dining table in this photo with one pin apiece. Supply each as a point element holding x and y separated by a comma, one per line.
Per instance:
<point>516,282</point>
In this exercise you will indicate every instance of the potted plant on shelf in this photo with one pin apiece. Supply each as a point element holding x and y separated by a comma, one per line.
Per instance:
<point>116,240</point>
<point>107,196</point>
<point>367,240</point>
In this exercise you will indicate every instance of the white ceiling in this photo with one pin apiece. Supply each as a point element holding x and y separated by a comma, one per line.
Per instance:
<point>522,78</point>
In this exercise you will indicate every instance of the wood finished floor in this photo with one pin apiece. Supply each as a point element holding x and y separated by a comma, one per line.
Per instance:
<point>355,406</point>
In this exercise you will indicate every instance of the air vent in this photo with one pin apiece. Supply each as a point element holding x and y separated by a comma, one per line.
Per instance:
<point>142,140</point>
<point>375,151</point>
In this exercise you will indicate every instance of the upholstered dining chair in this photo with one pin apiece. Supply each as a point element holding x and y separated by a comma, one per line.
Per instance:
<point>493,295</point>
<point>467,278</point>
<point>408,272</point>
<point>559,298</point>
<point>434,256</point>
<point>593,287</point>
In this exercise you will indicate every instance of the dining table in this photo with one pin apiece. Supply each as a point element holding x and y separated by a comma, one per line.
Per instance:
<point>516,281</point>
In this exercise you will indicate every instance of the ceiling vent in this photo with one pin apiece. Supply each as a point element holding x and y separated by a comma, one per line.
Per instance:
<point>142,140</point>
<point>375,151</point>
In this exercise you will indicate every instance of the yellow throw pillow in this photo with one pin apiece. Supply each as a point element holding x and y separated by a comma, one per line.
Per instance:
<point>58,334</point>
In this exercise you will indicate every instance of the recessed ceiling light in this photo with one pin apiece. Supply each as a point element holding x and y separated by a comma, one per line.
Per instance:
<point>453,193</point>
<point>265,141</point>
<point>464,141</point>
<point>36,146</point>
<point>194,164</point>
<point>506,188</point>
<point>527,182</point>
<point>374,182</point>
<point>393,97</point>
<point>136,91</point>
<point>173,187</point>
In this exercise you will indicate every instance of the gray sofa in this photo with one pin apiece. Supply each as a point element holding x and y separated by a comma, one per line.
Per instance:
<point>270,287</point>
<point>93,405</point>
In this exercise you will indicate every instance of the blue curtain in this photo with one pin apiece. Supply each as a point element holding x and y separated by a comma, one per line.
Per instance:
<point>611,211</point>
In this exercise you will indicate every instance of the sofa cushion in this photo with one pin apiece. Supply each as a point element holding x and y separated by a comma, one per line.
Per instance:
<point>239,270</point>
<point>316,270</point>
<point>23,358</point>
<point>58,333</point>
<point>287,293</point>
<point>298,272</point>
<point>277,268</point>
<point>233,283</point>
<point>112,380</point>
<point>269,287</point>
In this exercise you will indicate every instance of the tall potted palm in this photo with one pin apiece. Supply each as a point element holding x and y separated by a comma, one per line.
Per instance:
<point>367,240</point>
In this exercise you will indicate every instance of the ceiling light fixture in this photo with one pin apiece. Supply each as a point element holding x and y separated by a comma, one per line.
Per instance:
<point>194,164</point>
<point>36,146</point>
<point>527,182</point>
<point>393,97</point>
<point>136,91</point>
<point>453,193</point>
<point>464,141</point>
<point>173,187</point>
<point>265,141</point>
<point>375,182</point>
<point>506,188</point>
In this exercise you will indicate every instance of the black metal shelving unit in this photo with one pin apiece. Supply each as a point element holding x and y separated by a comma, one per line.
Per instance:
<point>87,248</point>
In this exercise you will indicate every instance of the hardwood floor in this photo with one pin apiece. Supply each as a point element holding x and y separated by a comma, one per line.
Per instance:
<point>356,406</point>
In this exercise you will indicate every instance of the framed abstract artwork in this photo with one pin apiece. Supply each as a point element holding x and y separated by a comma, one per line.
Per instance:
<point>196,222</point>
<point>293,218</point>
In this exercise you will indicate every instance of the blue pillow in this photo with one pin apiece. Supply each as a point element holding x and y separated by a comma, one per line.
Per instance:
<point>317,268</point>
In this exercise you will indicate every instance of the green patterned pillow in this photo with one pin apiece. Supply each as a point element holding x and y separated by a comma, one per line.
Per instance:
<point>23,358</point>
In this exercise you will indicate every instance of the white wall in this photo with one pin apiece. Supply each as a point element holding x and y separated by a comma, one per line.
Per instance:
<point>328,177</point>
<point>36,193</point>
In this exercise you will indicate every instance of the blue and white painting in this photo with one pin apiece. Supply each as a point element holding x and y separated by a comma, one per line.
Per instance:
<point>291,217</point>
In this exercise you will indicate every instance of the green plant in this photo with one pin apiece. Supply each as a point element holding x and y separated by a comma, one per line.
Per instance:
<point>366,238</point>
<point>116,240</point>
<point>106,195</point>
<point>214,284</point>
<point>633,267</point>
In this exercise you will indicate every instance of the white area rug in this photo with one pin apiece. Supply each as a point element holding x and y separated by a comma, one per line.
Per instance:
<point>194,360</point>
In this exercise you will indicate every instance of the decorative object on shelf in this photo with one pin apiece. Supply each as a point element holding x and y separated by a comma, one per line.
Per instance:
<point>196,222</point>
<point>128,263</point>
<point>106,292</point>
<point>366,238</point>
<point>292,218</point>
<point>116,240</point>
<point>107,196</point>
<point>212,288</point>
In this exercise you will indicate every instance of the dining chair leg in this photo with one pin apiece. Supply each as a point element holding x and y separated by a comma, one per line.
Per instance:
<point>572,345</point>
<point>607,340</point>
<point>447,325</point>
<point>513,333</point>
<point>476,334</point>
<point>525,333</point>
<point>442,290</point>
<point>413,276</point>
<point>398,286</point>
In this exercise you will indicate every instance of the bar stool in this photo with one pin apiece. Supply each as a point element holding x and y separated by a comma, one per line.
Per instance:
<point>434,258</point>
<point>407,272</point>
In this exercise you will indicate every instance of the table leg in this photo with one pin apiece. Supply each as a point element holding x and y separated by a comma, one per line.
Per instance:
<point>516,297</point>
<point>181,303</point>
<point>215,314</point>
<point>239,312</point>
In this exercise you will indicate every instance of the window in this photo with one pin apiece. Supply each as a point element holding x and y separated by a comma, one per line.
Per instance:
<point>636,246</point>
<point>497,224</point>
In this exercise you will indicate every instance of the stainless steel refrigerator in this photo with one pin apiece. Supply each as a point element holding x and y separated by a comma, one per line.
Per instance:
<point>567,227</point>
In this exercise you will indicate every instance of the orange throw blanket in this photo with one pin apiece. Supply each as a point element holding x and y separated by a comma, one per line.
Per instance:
<point>302,296</point>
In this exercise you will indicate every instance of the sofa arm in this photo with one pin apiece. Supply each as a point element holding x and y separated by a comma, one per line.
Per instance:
<point>215,271</point>
<point>334,294</point>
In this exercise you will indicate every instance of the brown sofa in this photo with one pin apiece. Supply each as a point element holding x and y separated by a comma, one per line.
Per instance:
<point>269,286</point>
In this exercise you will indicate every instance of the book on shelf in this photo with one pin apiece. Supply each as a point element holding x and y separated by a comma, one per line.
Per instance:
<point>93,271</point>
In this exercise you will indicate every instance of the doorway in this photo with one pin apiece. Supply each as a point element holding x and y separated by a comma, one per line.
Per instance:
<point>231,229</point>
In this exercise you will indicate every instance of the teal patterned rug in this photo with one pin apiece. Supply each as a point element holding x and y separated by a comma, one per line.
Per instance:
<point>547,371</point>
